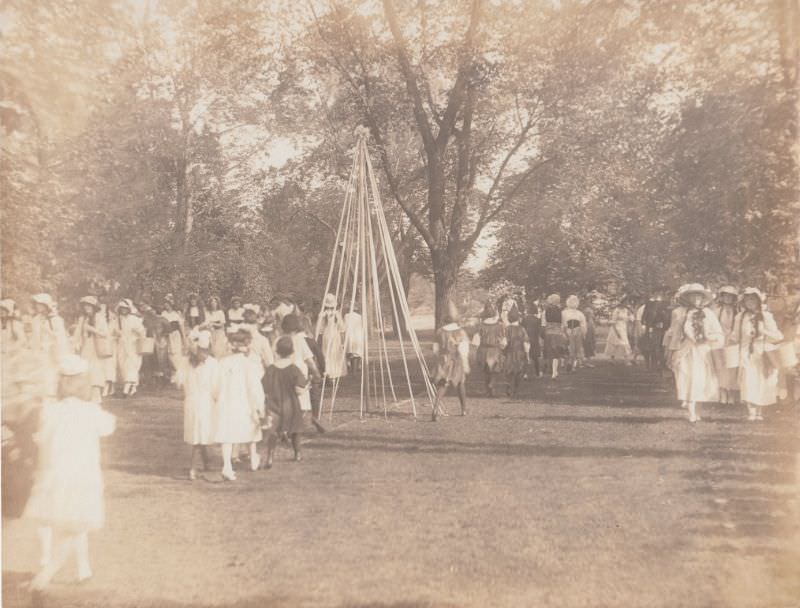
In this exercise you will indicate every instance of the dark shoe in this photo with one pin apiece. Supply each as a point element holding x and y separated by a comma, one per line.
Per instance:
<point>320,429</point>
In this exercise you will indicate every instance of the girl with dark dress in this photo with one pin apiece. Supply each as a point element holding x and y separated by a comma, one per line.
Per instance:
<point>516,352</point>
<point>533,327</point>
<point>555,342</point>
<point>283,382</point>
<point>195,313</point>
<point>490,341</point>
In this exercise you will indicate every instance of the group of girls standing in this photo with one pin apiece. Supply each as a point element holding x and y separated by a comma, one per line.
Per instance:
<point>727,352</point>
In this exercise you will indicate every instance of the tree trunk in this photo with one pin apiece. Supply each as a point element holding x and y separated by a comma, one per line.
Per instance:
<point>444,282</point>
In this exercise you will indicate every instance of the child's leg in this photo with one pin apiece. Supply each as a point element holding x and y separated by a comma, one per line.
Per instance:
<point>752,412</point>
<point>536,367</point>
<point>462,396</point>
<point>204,456</point>
<point>693,417</point>
<point>63,549</point>
<point>227,451</point>
<point>556,361</point>
<point>441,390</point>
<point>82,555</point>
<point>46,544</point>
<point>255,459</point>
<point>489,383</point>
<point>296,446</point>
<point>272,442</point>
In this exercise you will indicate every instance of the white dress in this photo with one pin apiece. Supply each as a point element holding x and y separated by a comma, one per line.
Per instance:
<point>68,485</point>
<point>331,326</point>
<point>617,344</point>
<point>174,339</point>
<point>695,374</point>
<point>728,376</point>
<point>240,402</point>
<point>200,393</point>
<point>128,329</point>
<point>86,343</point>
<point>302,353</point>
<point>219,340</point>
<point>758,379</point>
<point>260,347</point>
<point>354,334</point>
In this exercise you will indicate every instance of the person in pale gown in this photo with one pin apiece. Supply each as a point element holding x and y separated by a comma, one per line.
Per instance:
<point>67,495</point>
<point>92,341</point>
<point>756,332</point>
<point>175,335</point>
<point>330,326</point>
<point>235,314</point>
<point>573,321</point>
<point>200,383</point>
<point>260,345</point>
<point>129,330</point>
<point>695,333</point>
<point>725,309</point>
<point>215,323</point>
<point>49,337</point>
<point>110,363</point>
<point>617,343</point>
<point>240,406</point>
<point>354,339</point>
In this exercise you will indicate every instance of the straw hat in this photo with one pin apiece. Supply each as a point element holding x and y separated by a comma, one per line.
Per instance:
<point>754,291</point>
<point>573,301</point>
<point>91,300</point>
<point>329,301</point>
<point>126,303</point>
<point>72,365</point>
<point>730,290</point>
<point>554,299</point>
<point>694,288</point>
<point>45,300</point>
<point>251,308</point>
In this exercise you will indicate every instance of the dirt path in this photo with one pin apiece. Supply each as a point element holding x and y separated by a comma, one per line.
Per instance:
<point>591,490</point>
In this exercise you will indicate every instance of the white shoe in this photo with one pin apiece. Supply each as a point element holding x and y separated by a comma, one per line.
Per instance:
<point>684,405</point>
<point>228,475</point>
<point>695,418</point>
<point>255,463</point>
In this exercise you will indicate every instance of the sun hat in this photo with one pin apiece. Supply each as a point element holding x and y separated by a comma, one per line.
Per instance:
<point>251,308</point>
<point>690,288</point>
<point>729,289</point>
<point>754,291</point>
<point>91,300</point>
<point>72,365</point>
<point>554,299</point>
<point>44,299</point>
<point>573,301</point>
<point>329,301</point>
<point>126,303</point>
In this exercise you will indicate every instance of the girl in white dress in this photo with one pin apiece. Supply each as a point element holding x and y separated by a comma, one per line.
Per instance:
<point>725,309</point>
<point>235,314</point>
<point>756,332</point>
<point>92,342</point>
<point>330,326</point>
<point>110,363</point>
<point>617,343</point>
<point>129,330</point>
<point>240,406</point>
<point>695,333</point>
<point>200,383</point>
<point>354,339</point>
<point>573,322</point>
<point>67,495</point>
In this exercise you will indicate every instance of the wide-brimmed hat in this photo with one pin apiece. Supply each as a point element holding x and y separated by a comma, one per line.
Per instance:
<point>329,301</point>
<point>553,299</point>
<point>573,301</point>
<point>8,305</point>
<point>91,300</point>
<point>730,290</point>
<point>44,299</point>
<point>254,308</point>
<point>691,288</point>
<point>754,291</point>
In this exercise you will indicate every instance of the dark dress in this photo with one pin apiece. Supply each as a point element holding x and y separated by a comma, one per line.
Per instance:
<point>515,358</point>
<point>282,400</point>
<point>533,327</point>
<point>555,342</point>
<point>492,336</point>
<point>589,343</point>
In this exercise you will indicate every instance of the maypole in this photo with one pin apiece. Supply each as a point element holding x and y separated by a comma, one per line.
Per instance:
<point>364,271</point>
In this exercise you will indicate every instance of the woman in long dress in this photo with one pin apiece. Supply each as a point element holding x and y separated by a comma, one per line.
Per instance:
<point>49,338</point>
<point>354,339</point>
<point>695,333</point>
<point>573,322</point>
<point>129,330</point>
<point>110,362</point>
<point>725,309</point>
<point>330,327</point>
<point>617,343</point>
<point>175,335</point>
<point>215,323</point>
<point>92,340</point>
<point>515,354</point>
<point>756,333</point>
